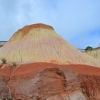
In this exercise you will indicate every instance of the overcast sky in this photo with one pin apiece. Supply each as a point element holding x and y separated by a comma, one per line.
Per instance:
<point>77,21</point>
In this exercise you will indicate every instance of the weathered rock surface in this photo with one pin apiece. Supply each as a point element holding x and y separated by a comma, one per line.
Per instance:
<point>90,86</point>
<point>4,88</point>
<point>40,43</point>
<point>47,81</point>
<point>48,84</point>
<point>66,73</point>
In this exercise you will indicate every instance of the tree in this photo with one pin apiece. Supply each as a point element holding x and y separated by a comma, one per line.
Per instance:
<point>88,48</point>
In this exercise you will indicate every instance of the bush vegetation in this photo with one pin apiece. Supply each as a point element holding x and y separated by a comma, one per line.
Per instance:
<point>3,60</point>
<point>88,48</point>
<point>14,63</point>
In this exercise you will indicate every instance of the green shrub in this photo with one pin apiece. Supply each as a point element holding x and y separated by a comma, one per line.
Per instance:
<point>88,48</point>
<point>3,60</point>
<point>14,63</point>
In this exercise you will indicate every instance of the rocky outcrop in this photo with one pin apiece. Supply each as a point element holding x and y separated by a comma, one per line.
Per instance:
<point>40,43</point>
<point>47,81</point>
<point>4,88</point>
<point>48,84</point>
<point>90,86</point>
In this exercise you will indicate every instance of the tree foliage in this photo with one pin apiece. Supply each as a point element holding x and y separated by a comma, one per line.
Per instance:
<point>88,48</point>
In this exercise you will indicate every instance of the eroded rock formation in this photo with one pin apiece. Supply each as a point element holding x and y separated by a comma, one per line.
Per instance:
<point>40,43</point>
<point>48,68</point>
<point>90,86</point>
<point>46,81</point>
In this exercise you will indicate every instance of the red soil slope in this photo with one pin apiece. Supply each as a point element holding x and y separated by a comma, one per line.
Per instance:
<point>31,81</point>
<point>9,71</point>
<point>35,67</point>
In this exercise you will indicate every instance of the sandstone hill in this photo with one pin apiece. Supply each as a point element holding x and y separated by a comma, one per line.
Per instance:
<point>40,43</point>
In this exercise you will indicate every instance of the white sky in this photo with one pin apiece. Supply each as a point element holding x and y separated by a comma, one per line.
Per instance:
<point>77,21</point>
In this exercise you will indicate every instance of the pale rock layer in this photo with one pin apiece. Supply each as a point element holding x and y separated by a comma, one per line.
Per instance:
<point>94,53</point>
<point>40,43</point>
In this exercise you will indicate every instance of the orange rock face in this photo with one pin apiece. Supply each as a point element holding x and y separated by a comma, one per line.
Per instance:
<point>47,81</point>
<point>40,43</point>
<point>90,86</point>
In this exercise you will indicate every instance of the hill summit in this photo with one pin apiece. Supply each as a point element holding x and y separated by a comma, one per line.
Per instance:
<point>40,43</point>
